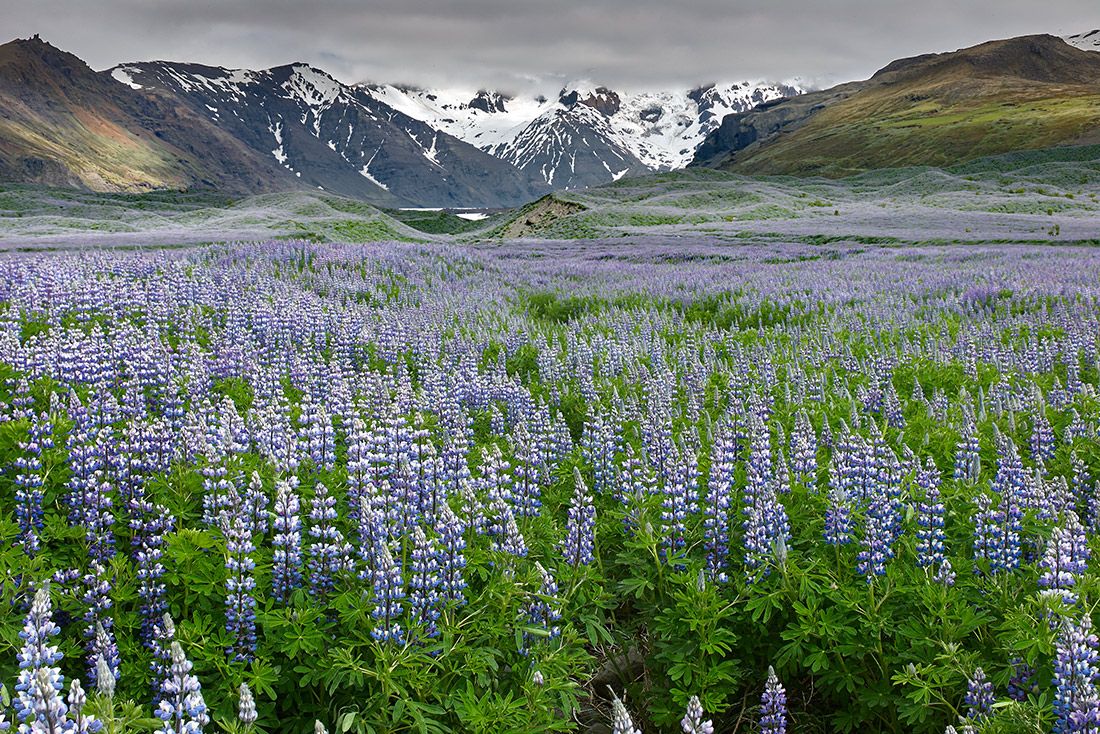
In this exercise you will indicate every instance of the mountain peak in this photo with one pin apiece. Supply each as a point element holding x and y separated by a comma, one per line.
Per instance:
<point>35,50</point>
<point>601,99</point>
<point>1040,57</point>
<point>488,101</point>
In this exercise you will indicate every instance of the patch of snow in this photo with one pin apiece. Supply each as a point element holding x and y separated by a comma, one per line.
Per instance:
<point>365,171</point>
<point>1089,41</point>
<point>473,216</point>
<point>279,153</point>
<point>121,75</point>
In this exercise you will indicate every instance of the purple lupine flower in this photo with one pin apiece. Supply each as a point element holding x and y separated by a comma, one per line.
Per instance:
<point>580,527</point>
<point>164,633</point>
<point>504,533</point>
<point>1042,437</point>
<point>693,723</point>
<point>1004,548</point>
<point>371,529</point>
<point>526,473</point>
<point>876,543</point>
<point>389,590</point>
<point>1075,674</point>
<point>84,460</point>
<point>424,583</point>
<point>1066,558</point>
<point>765,524</point>
<point>37,689</point>
<point>150,531</point>
<point>679,498</point>
<point>287,543</point>
<point>328,553</point>
<point>945,574</point>
<point>543,609</point>
<point>103,659</point>
<point>930,519</point>
<point>255,505</point>
<point>598,445</point>
<point>80,722</point>
<point>240,586</point>
<point>452,559</point>
<point>246,707</point>
<point>773,706</point>
<point>455,424</point>
<point>99,625</point>
<point>984,528</point>
<point>98,522</point>
<point>716,504</point>
<point>495,479</point>
<point>1022,684</point>
<point>839,527</point>
<point>28,483</point>
<point>181,709</point>
<point>968,463</point>
<point>219,492</point>
<point>979,696</point>
<point>636,481</point>
<point>803,448</point>
<point>621,723</point>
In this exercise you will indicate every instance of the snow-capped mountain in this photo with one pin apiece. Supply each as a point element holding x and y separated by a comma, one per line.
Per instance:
<point>1089,41</point>
<point>584,134</point>
<point>407,146</point>
<point>339,138</point>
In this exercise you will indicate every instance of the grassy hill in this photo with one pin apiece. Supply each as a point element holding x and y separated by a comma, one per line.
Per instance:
<point>1023,93</point>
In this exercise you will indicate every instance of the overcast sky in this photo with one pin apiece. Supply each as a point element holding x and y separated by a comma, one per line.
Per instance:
<point>507,43</point>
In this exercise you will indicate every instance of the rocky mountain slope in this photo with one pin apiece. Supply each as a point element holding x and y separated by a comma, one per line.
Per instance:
<point>336,137</point>
<point>63,124</point>
<point>938,109</point>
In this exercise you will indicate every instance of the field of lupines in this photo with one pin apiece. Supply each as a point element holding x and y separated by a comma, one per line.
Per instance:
<point>659,487</point>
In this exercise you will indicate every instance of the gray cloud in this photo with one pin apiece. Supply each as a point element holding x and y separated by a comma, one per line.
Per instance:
<point>509,43</point>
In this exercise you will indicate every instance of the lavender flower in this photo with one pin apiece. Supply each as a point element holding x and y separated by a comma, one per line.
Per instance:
<point>39,683</point>
<point>29,481</point>
<point>621,723</point>
<point>979,696</point>
<point>580,527</point>
<point>1075,674</point>
<point>452,558</point>
<point>246,707</point>
<point>182,709</point>
<point>839,527</point>
<point>693,723</point>
<point>773,706</point>
<point>424,584</point>
<point>240,585</point>
<point>542,610</point>
<point>930,519</point>
<point>287,543</point>
<point>388,592</point>
<point>716,505</point>
<point>1065,559</point>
